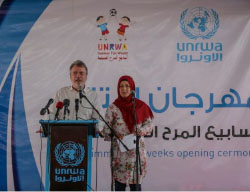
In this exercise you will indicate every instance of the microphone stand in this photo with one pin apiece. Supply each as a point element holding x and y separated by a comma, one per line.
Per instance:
<point>64,113</point>
<point>111,163</point>
<point>76,107</point>
<point>137,152</point>
<point>48,113</point>
<point>111,135</point>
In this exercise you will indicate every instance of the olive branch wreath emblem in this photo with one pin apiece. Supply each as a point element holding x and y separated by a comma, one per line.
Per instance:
<point>207,36</point>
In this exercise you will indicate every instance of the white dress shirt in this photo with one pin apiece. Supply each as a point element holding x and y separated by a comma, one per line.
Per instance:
<point>85,111</point>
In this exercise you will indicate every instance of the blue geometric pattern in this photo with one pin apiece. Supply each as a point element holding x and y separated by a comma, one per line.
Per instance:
<point>4,108</point>
<point>15,24</point>
<point>23,160</point>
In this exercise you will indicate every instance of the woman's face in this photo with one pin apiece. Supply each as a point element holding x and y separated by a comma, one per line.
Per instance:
<point>124,89</point>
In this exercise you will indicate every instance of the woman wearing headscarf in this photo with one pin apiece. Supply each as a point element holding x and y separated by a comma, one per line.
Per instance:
<point>120,116</point>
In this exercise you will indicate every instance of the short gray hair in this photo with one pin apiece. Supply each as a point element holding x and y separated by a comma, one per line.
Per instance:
<point>79,63</point>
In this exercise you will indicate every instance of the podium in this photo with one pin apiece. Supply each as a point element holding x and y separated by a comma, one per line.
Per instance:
<point>69,154</point>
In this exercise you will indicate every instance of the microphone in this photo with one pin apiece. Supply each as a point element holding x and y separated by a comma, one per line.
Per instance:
<point>59,106</point>
<point>43,110</point>
<point>66,107</point>
<point>132,93</point>
<point>76,107</point>
<point>80,93</point>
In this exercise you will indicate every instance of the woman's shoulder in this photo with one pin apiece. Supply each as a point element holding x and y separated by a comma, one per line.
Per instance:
<point>113,107</point>
<point>113,110</point>
<point>140,102</point>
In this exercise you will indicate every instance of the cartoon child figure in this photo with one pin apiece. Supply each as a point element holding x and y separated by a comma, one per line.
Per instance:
<point>102,24</point>
<point>124,23</point>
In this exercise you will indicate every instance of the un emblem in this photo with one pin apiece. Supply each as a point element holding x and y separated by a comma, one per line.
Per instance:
<point>69,153</point>
<point>199,22</point>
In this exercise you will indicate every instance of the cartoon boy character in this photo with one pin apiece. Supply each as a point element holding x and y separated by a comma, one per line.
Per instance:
<point>124,23</point>
<point>102,24</point>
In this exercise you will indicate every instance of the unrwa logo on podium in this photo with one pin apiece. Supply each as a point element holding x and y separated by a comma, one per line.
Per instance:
<point>69,153</point>
<point>199,22</point>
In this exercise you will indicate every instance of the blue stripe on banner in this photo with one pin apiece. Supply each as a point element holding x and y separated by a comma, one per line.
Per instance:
<point>4,9</point>
<point>16,21</point>
<point>4,108</point>
<point>25,171</point>
<point>15,25</point>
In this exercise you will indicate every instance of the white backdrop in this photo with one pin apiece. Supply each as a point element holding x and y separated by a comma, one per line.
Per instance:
<point>191,67</point>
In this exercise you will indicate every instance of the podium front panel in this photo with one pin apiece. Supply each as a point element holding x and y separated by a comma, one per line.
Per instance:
<point>68,157</point>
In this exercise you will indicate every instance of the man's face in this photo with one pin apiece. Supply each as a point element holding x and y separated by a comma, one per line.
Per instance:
<point>78,76</point>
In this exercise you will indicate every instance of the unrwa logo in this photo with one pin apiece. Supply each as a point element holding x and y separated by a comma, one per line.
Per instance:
<point>199,22</point>
<point>69,153</point>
